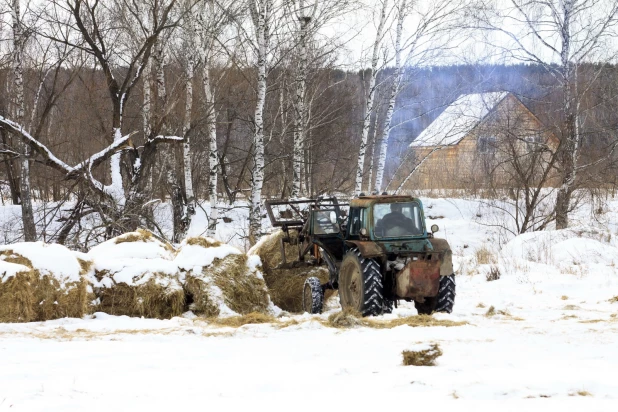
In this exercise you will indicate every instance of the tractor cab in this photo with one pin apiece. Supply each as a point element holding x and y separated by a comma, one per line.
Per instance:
<point>388,223</point>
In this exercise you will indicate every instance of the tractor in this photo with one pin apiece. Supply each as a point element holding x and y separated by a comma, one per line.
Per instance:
<point>377,250</point>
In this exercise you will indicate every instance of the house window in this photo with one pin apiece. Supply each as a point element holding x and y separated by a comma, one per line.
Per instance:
<point>533,141</point>
<point>486,144</point>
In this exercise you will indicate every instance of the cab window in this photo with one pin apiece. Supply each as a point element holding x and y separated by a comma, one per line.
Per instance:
<point>357,217</point>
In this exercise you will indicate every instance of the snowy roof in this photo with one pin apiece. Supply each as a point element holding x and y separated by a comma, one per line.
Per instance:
<point>458,119</point>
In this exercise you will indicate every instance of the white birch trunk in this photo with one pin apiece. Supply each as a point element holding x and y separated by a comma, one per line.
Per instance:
<point>146,111</point>
<point>373,150</point>
<point>186,146</point>
<point>213,155</point>
<point>369,101</point>
<point>189,197</point>
<point>260,10</point>
<point>299,101</point>
<point>391,103</point>
<point>24,169</point>
<point>571,144</point>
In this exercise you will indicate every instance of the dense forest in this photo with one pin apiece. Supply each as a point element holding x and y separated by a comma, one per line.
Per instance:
<point>111,107</point>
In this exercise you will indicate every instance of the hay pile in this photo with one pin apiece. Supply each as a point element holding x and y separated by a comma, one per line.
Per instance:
<point>135,275</point>
<point>220,280</point>
<point>40,281</point>
<point>347,318</point>
<point>285,285</point>
<point>422,355</point>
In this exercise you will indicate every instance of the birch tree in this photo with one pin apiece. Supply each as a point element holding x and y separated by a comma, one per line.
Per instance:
<point>190,44</point>
<point>401,14</point>
<point>304,15</point>
<point>561,36</point>
<point>371,89</point>
<point>261,17</point>
<point>19,40</point>
<point>432,30</point>
<point>212,18</point>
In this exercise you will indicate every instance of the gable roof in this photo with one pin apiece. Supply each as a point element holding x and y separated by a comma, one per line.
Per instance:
<point>461,116</point>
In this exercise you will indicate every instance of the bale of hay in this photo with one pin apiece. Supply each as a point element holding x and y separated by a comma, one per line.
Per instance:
<point>41,282</point>
<point>135,275</point>
<point>424,355</point>
<point>16,293</point>
<point>285,285</point>
<point>221,280</point>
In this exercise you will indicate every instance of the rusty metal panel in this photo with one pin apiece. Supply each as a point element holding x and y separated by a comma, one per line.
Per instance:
<point>419,278</point>
<point>369,249</point>
<point>442,246</point>
<point>368,201</point>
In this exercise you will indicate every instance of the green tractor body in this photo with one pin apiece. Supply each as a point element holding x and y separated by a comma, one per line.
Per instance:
<point>378,253</point>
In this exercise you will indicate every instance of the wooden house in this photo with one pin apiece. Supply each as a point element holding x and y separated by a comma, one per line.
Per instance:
<point>480,140</point>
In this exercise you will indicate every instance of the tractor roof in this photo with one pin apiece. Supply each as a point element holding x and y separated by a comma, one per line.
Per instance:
<point>366,201</point>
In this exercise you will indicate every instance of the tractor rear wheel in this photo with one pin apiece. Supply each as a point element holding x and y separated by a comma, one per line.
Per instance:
<point>360,284</point>
<point>445,300</point>
<point>313,296</point>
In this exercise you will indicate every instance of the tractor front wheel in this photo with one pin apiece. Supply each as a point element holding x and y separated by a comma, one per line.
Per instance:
<point>360,284</point>
<point>313,296</point>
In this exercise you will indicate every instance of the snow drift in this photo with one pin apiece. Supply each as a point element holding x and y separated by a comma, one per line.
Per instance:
<point>566,250</point>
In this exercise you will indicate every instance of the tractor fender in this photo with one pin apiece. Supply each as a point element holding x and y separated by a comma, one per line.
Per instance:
<point>446,255</point>
<point>368,249</point>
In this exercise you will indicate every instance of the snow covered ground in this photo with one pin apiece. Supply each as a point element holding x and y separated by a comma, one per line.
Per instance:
<point>550,344</point>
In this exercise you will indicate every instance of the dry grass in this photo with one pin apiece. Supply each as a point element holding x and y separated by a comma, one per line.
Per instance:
<point>286,284</point>
<point>413,321</point>
<point>199,297</point>
<point>243,292</point>
<point>580,393</point>
<point>17,301</point>
<point>143,235</point>
<point>248,319</point>
<point>592,321</point>
<point>493,274</point>
<point>347,318</point>
<point>140,235</point>
<point>203,242</point>
<point>490,312</point>
<point>423,357</point>
<point>149,300</point>
<point>614,299</point>
<point>481,305</point>
<point>28,296</point>
<point>484,256</point>
<point>564,297</point>
<point>350,319</point>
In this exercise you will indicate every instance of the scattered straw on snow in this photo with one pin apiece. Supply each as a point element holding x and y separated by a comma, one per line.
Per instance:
<point>422,355</point>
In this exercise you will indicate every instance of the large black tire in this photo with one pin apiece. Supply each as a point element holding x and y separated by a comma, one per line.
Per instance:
<point>360,284</point>
<point>313,296</point>
<point>446,295</point>
<point>387,305</point>
<point>445,300</point>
